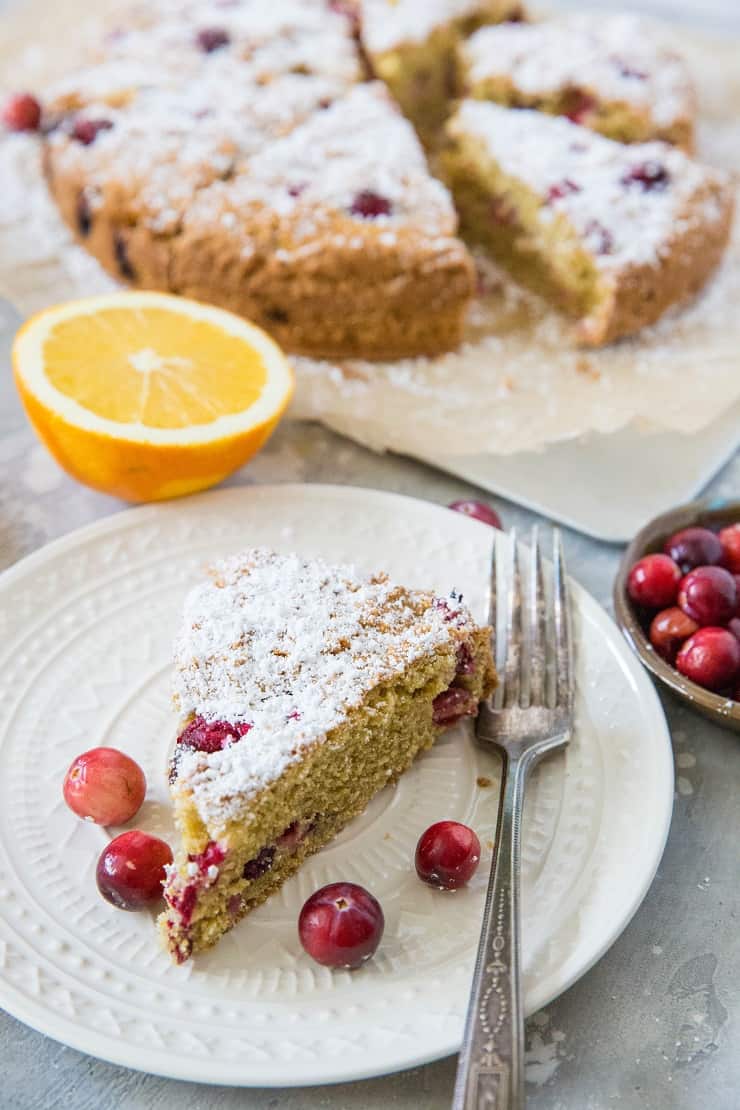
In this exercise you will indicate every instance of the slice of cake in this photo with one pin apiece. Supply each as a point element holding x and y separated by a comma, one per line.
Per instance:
<point>183,175</point>
<point>412,45</point>
<point>303,690</point>
<point>611,234</point>
<point>609,73</point>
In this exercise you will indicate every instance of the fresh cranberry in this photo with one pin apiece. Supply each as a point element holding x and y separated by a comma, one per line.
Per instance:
<point>260,865</point>
<point>648,175</point>
<point>86,131</point>
<point>602,240</point>
<point>693,547</point>
<point>131,870</point>
<point>668,631</point>
<point>212,38</point>
<point>213,736</point>
<point>708,595</point>
<point>562,189</point>
<point>21,112</point>
<point>341,925</point>
<point>370,205</point>
<point>104,786</point>
<point>452,705</point>
<point>447,855</point>
<point>654,581</point>
<point>734,627</point>
<point>580,105</point>
<point>711,657</point>
<point>729,539</point>
<point>479,510</point>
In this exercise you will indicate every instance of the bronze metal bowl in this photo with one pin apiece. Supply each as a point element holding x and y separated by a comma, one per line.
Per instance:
<point>714,514</point>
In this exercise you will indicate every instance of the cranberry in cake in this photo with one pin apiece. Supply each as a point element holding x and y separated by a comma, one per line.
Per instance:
<point>606,72</point>
<point>303,689</point>
<point>612,235</point>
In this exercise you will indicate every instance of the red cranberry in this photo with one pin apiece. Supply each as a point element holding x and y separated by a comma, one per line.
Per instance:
<point>729,539</point>
<point>447,855</point>
<point>602,240</point>
<point>21,112</point>
<point>694,547</point>
<point>648,175</point>
<point>653,581</point>
<point>212,38</point>
<point>580,106</point>
<point>734,627</point>
<point>562,189</point>
<point>104,786</point>
<point>213,736</point>
<point>260,865</point>
<point>341,925</point>
<point>668,631</point>
<point>370,205</point>
<point>131,870</point>
<point>86,131</point>
<point>452,705</point>
<point>465,660</point>
<point>711,657</point>
<point>479,510</point>
<point>708,595</point>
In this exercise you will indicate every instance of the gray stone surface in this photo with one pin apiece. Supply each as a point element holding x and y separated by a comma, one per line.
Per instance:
<point>653,1026</point>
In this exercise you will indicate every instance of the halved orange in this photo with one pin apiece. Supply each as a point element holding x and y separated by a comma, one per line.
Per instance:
<point>147,396</point>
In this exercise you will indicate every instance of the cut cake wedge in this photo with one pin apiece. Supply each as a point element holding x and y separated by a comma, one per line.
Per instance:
<point>304,689</point>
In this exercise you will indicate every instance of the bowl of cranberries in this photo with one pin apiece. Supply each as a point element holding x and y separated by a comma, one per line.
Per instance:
<point>677,600</point>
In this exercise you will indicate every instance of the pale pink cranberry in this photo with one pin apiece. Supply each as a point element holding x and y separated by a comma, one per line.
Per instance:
<point>447,855</point>
<point>478,510</point>
<point>453,705</point>
<point>369,205</point>
<point>708,595</point>
<point>86,131</point>
<point>729,539</point>
<point>341,925</point>
<point>131,870</point>
<point>711,658</point>
<point>654,581</point>
<point>211,736</point>
<point>562,189</point>
<point>668,631</point>
<point>212,38</point>
<point>21,112</point>
<point>105,786</point>
<point>648,175</point>
<point>693,547</point>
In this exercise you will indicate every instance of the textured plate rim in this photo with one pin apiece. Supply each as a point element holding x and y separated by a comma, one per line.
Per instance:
<point>107,1048</point>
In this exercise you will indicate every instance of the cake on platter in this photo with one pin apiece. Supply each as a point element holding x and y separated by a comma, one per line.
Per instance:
<point>303,690</point>
<point>606,72</point>
<point>611,234</point>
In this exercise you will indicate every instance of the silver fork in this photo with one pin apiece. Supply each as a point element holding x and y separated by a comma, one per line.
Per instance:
<point>530,714</point>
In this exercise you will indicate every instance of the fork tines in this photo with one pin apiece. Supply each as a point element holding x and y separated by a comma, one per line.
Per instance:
<point>537,665</point>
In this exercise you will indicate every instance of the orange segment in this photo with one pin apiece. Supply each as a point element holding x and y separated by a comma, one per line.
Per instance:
<point>146,395</point>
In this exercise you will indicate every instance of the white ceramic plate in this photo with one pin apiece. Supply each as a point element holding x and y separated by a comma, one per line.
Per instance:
<point>85,632</point>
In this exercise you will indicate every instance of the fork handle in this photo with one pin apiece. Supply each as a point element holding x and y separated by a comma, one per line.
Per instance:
<point>490,1072</point>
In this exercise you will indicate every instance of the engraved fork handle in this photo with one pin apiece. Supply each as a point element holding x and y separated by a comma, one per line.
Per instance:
<point>490,1071</point>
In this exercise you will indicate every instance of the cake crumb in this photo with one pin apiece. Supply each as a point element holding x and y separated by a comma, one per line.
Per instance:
<point>483,781</point>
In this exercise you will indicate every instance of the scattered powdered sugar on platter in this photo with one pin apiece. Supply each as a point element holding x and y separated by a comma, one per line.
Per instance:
<point>286,647</point>
<point>517,384</point>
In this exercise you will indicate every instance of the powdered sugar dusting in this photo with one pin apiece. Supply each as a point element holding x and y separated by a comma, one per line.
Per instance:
<point>389,23</point>
<point>617,57</point>
<point>289,646</point>
<point>595,182</point>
